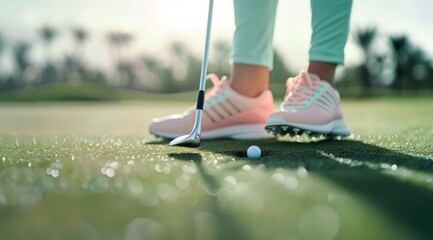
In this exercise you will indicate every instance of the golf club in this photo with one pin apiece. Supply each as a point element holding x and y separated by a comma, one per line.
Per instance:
<point>193,139</point>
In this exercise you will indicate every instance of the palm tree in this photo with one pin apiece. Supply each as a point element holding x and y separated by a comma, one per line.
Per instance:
<point>80,36</point>
<point>124,71</point>
<point>364,39</point>
<point>401,51</point>
<point>22,62</point>
<point>48,34</point>
<point>416,69</point>
<point>119,40</point>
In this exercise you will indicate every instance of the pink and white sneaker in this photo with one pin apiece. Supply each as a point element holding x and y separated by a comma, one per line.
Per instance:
<point>310,106</point>
<point>226,114</point>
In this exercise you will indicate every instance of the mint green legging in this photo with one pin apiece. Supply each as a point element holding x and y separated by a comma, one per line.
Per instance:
<point>255,21</point>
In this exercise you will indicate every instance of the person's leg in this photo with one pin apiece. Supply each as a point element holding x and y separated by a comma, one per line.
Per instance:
<point>312,106</point>
<point>252,45</point>
<point>330,23</point>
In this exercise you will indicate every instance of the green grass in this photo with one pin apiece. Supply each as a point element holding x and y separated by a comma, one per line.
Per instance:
<point>378,184</point>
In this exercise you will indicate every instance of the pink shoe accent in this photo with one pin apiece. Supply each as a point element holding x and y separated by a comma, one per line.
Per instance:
<point>310,105</point>
<point>226,114</point>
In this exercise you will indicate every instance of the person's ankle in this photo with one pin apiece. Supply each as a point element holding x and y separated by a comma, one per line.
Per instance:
<point>325,80</point>
<point>247,90</point>
<point>249,80</point>
<point>325,71</point>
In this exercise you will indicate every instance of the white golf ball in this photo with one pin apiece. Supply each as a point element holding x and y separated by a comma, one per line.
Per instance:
<point>254,152</point>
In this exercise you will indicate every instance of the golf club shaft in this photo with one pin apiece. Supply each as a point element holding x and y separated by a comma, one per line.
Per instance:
<point>201,89</point>
<point>193,139</point>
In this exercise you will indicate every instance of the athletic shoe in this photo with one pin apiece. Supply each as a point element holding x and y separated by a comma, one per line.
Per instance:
<point>226,114</point>
<point>310,106</point>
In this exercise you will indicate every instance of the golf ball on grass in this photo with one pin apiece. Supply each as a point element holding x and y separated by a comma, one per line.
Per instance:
<point>254,152</point>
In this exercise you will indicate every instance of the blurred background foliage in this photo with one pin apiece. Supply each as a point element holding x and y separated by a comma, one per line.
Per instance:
<point>392,65</point>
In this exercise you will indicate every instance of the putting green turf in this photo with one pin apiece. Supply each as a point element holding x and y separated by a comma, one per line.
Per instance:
<point>75,171</point>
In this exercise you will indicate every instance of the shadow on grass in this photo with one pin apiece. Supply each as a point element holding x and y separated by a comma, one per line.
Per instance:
<point>160,141</point>
<point>355,166</point>
<point>226,227</point>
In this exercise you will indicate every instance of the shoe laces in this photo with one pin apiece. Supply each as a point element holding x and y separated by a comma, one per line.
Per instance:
<point>300,88</point>
<point>217,89</point>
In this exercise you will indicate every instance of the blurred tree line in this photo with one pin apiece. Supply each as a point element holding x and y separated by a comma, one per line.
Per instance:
<point>389,62</point>
<point>402,66</point>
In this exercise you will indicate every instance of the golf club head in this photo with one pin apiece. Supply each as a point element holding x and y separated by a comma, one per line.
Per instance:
<point>190,140</point>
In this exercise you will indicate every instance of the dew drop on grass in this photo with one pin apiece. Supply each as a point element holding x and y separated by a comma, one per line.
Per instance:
<point>109,172</point>
<point>262,167</point>
<point>393,167</point>
<point>302,172</point>
<point>246,168</point>
<point>189,169</point>
<point>158,168</point>
<point>115,165</point>
<point>181,182</point>
<point>278,177</point>
<point>55,172</point>
<point>230,180</point>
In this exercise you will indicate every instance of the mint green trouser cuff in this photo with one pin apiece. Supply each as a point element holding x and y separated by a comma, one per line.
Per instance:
<point>255,22</point>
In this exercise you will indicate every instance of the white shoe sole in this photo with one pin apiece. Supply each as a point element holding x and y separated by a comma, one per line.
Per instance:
<point>280,126</point>
<point>241,132</point>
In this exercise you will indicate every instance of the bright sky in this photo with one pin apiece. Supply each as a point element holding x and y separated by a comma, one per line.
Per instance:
<point>157,23</point>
